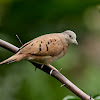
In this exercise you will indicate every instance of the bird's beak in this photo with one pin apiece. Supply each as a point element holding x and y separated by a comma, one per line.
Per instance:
<point>75,42</point>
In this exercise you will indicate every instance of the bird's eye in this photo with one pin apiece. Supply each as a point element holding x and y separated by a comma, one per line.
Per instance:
<point>70,36</point>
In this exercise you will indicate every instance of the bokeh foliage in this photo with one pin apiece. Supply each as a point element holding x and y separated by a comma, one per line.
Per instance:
<point>32,18</point>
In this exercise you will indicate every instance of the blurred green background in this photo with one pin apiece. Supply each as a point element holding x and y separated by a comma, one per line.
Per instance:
<point>31,18</point>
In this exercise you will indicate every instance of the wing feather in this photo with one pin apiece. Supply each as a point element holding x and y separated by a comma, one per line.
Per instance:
<point>46,45</point>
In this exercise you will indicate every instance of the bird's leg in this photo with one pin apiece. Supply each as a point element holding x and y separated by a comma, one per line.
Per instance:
<point>52,68</point>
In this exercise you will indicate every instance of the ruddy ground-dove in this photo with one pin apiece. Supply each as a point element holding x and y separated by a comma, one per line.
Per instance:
<point>45,49</point>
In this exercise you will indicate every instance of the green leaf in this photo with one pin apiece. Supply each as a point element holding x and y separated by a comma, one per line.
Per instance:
<point>96,97</point>
<point>69,97</point>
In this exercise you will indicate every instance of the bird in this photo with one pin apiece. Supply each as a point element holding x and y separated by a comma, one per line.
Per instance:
<point>45,49</point>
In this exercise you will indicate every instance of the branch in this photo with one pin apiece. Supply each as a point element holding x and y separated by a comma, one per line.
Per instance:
<point>68,84</point>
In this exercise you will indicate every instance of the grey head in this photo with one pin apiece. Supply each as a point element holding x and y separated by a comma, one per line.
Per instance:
<point>70,36</point>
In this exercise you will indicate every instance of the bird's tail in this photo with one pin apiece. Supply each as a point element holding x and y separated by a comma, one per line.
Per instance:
<point>16,57</point>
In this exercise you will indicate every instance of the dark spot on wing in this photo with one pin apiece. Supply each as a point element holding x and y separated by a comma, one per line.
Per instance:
<point>55,39</point>
<point>63,48</point>
<point>32,53</point>
<point>39,47</point>
<point>47,47</point>
<point>48,42</point>
<point>52,55</point>
<point>41,42</point>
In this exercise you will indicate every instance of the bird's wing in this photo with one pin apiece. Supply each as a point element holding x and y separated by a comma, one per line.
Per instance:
<point>46,45</point>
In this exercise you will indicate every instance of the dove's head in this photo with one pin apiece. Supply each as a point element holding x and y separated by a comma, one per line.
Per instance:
<point>70,36</point>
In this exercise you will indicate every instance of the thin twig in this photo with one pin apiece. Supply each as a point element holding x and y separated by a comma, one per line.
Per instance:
<point>19,39</point>
<point>68,84</point>
<point>8,46</point>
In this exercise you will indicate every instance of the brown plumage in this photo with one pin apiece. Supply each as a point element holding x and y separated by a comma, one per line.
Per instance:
<point>44,49</point>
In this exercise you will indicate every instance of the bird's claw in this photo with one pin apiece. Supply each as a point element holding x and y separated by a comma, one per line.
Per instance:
<point>51,71</point>
<point>42,66</point>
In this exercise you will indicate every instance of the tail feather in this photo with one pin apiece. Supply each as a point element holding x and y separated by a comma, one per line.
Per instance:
<point>13,58</point>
